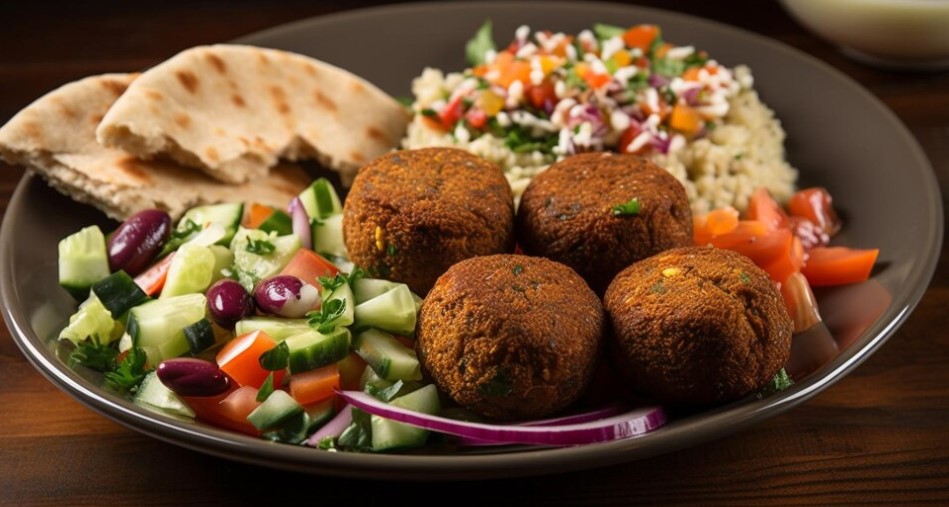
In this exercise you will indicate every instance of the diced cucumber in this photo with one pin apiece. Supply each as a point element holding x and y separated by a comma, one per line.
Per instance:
<point>320,413</point>
<point>92,319</point>
<point>158,326</point>
<point>344,293</point>
<point>327,236</point>
<point>228,215</point>
<point>118,292</point>
<point>255,260</point>
<point>278,408</point>
<point>83,260</point>
<point>393,311</point>
<point>154,395</point>
<point>191,271</point>
<point>311,350</point>
<point>279,222</point>
<point>388,358</point>
<point>200,336</point>
<point>365,289</point>
<point>223,259</point>
<point>320,199</point>
<point>276,328</point>
<point>388,434</point>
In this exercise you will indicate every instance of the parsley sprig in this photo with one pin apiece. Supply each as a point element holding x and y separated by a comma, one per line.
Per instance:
<point>628,208</point>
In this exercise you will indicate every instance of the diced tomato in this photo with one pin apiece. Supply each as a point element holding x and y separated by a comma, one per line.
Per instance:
<point>788,262</point>
<point>542,94</point>
<point>627,138</point>
<point>800,302</point>
<point>476,118</point>
<point>765,209</point>
<point>309,266</point>
<point>838,265</point>
<point>641,36</point>
<point>816,205</point>
<point>240,359</point>
<point>451,113</point>
<point>315,385</point>
<point>596,80</point>
<point>714,223</point>
<point>228,410</point>
<point>747,231</point>
<point>256,215</point>
<point>809,234</point>
<point>152,280</point>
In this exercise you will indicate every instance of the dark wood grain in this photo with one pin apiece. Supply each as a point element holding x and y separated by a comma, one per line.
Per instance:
<point>879,436</point>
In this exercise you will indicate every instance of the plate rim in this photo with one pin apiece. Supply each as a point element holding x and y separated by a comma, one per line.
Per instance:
<point>718,422</point>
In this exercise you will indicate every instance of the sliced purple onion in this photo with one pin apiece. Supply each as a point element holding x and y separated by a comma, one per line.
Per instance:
<point>691,95</point>
<point>657,81</point>
<point>334,427</point>
<point>633,423</point>
<point>301,223</point>
<point>593,415</point>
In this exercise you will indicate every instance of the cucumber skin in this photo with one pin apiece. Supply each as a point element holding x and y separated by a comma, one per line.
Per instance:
<point>311,350</point>
<point>119,293</point>
<point>228,215</point>
<point>158,326</point>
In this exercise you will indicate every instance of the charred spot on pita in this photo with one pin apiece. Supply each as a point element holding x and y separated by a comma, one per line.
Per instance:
<point>188,80</point>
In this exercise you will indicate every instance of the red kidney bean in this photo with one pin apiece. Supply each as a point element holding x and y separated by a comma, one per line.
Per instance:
<point>229,302</point>
<point>286,295</point>
<point>189,376</point>
<point>137,241</point>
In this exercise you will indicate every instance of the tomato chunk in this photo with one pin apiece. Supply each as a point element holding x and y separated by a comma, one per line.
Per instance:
<point>837,265</point>
<point>240,359</point>
<point>816,205</point>
<point>309,266</point>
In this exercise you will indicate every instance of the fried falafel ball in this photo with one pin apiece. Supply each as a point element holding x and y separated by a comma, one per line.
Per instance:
<point>510,336</point>
<point>697,326</point>
<point>600,212</point>
<point>411,214</point>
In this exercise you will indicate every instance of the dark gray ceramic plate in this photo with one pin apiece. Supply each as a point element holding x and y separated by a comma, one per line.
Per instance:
<point>839,136</point>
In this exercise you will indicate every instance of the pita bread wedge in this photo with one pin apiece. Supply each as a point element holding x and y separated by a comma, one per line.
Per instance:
<point>234,110</point>
<point>55,137</point>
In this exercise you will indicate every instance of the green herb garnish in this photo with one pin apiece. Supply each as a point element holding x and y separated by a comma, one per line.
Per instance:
<point>480,44</point>
<point>129,372</point>
<point>604,31</point>
<point>324,320</point>
<point>778,383</point>
<point>93,354</point>
<point>630,207</point>
<point>518,269</point>
<point>260,246</point>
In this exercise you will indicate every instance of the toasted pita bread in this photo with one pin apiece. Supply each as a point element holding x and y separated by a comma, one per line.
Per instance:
<point>55,137</point>
<point>234,110</point>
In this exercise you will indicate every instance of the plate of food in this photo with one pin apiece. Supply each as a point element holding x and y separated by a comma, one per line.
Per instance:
<point>517,241</point>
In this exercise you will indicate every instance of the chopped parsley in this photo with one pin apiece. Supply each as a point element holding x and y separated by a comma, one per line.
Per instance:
<point>778,383</point>
<point>630,207</point>
<point>518,269</point>
<point>391,250</point>
<point>604,31</point>
<point>480,44</point>
<point>122,375</point>
<point>260,246</point>
<point>324,320</point>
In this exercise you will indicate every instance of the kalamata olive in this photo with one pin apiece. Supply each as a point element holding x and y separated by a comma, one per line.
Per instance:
<point>286,295</point>
<point>189,376</point>
<point>137,240</point>
<point>229,302</point>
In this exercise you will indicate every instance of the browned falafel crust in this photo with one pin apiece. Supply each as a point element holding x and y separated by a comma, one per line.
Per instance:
<point>509,336</point>
<point>567,214</point>
<point>697,326</point>
<point>411,214</point>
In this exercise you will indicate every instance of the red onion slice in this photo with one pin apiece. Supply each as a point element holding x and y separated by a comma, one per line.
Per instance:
<point>333,428</point>
<point>635,422</point>
<point>301,223</point>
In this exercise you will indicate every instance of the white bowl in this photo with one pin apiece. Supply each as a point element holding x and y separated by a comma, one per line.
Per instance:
<point>908,34</point>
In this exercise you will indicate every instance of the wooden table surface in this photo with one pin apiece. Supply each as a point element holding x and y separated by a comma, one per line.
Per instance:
<point>879,436</point>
